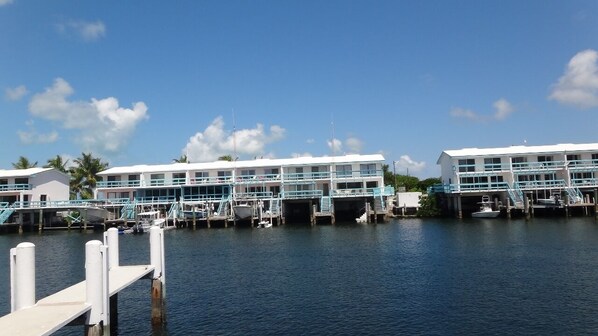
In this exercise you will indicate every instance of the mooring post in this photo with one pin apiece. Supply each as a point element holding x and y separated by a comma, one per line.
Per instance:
<point>111,240</point>
<point>158,278</point>
<point>22,276</point>
<point>96,288</point>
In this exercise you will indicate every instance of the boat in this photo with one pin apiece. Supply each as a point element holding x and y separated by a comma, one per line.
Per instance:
<point>264,224</point>
<point>362,219</point>
<point>243,211</point>
<point>554,199</point>
<point>124,228</point>
<point>148,219</point>
<point>486,210</point>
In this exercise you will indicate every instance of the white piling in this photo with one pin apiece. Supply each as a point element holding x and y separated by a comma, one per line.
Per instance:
<point>96,280</point>
<point>22,276</point>
<point>111,239</point>
<point>158,279</point>
<point>157,252</point>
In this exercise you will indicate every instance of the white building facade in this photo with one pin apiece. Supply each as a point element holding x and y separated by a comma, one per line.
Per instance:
<point>33,185</point>
<point>570,169</point>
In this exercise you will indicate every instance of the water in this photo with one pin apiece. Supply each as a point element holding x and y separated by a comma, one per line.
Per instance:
<point>426,277</point>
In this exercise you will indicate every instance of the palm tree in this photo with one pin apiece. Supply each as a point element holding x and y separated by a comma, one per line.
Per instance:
<point>182,159</point>
<point>24,163</point>
<point>57,163</point>
<point>84,175</point>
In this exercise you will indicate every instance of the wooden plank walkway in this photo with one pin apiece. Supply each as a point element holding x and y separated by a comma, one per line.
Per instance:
<point>53,312</point>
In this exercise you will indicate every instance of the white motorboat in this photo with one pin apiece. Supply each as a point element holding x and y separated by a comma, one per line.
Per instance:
<point>554,199</point>
<point>148,219</point>
<point>264,224</point>
<point>486,210</point>
<point>362,219</point>
<point>243,211</point>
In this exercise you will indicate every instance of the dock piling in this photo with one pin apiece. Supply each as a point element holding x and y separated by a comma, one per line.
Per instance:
<point>158,278</point>
<point>96,289</point>
<point>22,276</point>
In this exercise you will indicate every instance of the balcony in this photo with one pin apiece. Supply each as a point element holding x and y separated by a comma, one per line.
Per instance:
<point>15,187</point>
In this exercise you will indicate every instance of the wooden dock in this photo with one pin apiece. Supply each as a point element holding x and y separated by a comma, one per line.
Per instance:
<point>53,312</point>
<point>87,302</point>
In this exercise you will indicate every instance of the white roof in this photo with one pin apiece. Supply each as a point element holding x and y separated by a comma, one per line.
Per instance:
<point>300,161</point>
<point>22,172</point>
<point>521,150</point>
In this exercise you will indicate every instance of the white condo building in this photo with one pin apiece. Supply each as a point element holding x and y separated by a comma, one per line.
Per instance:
<point>509,173</point>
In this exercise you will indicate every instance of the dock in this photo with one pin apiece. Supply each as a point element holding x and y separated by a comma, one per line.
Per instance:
<point>87,302</point>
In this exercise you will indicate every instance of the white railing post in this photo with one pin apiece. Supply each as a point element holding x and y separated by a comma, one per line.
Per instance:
<point>22,276</point>
<point>96,281</point>
<point>111,240</point>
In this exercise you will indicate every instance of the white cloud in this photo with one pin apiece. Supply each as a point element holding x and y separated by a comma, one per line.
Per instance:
<point>354,145</point>
<point>406,164</point>
<point>459,112</point>
<point>15,93</point>
<point>88,31</point>
<point>5,2</point>
<point>215,141</point>
<point>502,109</point>
<point>336,146</point>
<point>310,141</point>
<point>33,137</point>
<point>103,125</point>
<point>578,86</point>
<point>298,155</point>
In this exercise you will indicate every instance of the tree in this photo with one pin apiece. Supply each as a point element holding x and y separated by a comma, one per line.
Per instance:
<point>24,163</point>
<point>428,206</point>
<point>182,159</point>
<point>225,158</point>
<point>84,175</point>
<point>57,163</point>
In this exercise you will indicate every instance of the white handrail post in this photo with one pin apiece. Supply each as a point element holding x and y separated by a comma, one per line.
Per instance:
<point>96,281</point>
<point>111,239</point>
<point>22,276</point>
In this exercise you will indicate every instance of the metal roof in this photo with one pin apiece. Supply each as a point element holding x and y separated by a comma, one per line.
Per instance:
<point>22,172</point>
<point>521,150</point>
<point>300,161</point>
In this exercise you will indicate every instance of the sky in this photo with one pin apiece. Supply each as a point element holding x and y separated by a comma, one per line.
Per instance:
<point>144,82</point>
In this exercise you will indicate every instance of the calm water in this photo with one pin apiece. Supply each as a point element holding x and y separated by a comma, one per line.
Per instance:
<point>431,277</point>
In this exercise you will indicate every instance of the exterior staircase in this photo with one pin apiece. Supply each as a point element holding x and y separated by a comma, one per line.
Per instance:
<point>5,212</point>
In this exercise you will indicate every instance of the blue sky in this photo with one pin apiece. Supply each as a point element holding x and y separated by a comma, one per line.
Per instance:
<point>146,81</point>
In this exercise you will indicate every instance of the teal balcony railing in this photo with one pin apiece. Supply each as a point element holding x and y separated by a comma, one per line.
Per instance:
<point>15,187</point>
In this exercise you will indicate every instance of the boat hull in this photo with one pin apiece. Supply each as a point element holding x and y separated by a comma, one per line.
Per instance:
<point>486,214</point>
<point>243,212</point>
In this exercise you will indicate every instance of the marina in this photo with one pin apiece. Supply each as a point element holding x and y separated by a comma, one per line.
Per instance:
<point>407,276</point>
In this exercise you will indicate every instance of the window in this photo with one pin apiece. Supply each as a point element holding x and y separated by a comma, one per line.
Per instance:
<point>3,181</point>
<point>157,179</point>
<point>178,178</point>
<point>202,176</point>
<point>466,165</point>
<point>519,162</point>
<point>492,164</point>
<point>21,180</point>
<point>496,182</point>
<point>546,160</point>
<point>134,180</point>
<point>368,169</point>
<point>112,178</point>
<point>343,171</point>
<point>272,173</point>
<point>247,174</point>
<point>224,175</point>
<point>474,183</point>
<point>595,158</point>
